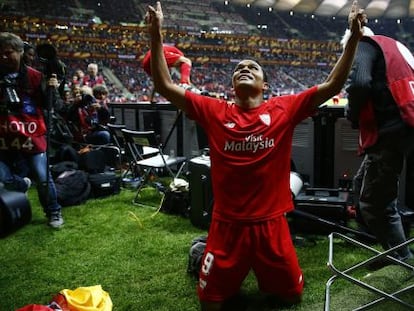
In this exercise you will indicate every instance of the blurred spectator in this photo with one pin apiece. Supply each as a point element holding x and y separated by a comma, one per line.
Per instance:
<point>100,92</point>
<point>67,96</point>
<point>78,76</point>
<point>29,54</point>
<point>92,78</point>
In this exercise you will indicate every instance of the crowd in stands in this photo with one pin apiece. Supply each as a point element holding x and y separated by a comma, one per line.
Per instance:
<point>292,47</point>
<point>208,15</point>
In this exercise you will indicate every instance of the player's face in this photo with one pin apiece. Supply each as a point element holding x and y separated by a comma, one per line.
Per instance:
<point>248,73</point>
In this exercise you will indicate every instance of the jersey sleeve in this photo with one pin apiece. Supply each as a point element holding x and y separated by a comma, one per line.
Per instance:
<point>202,108</point>
<point>298,106</point>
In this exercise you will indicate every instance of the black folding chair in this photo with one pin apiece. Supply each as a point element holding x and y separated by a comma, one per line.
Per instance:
<point>116,135</point>
<point>148,157</point>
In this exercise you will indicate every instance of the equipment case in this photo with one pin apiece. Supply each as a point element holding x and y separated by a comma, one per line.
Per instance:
<point>201,193</point>
<point>316,207</point>
<point>15,211</point>
<point>104,184</point>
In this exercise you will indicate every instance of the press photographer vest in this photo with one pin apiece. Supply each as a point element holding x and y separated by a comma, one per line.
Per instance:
<point>22,125</point>
<point>399,63</point>
<point>83,124</point>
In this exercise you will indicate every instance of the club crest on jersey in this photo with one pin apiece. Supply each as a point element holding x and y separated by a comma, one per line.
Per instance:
<point>265,118</point>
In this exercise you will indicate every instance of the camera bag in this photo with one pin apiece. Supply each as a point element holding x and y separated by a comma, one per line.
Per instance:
<point>92,161</point>
<point>15,211</point>
<point>104,184</point>
<point>72,187</point>
<point>99,159</point>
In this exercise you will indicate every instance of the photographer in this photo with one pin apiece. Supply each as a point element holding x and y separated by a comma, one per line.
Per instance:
<point>23,138</point>
<point>87,117</point>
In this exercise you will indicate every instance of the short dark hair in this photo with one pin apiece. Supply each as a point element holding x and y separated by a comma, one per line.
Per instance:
<point>264,72</point>
<point>100,89</point>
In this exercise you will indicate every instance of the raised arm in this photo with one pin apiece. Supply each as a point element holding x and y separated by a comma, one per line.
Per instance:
<point>337,78</point>
<point>163,83</point>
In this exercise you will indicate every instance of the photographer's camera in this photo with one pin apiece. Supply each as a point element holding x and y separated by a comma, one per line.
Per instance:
<point>10,99</point>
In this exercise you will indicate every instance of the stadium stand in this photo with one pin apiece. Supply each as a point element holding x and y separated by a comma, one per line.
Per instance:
<point>292,47</point>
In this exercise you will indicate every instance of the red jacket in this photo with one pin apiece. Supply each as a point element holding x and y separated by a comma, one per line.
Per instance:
<point>22,125</point>
<point>399,63</point>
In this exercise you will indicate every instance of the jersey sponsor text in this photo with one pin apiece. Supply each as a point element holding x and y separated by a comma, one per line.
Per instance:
<point>250,143</point>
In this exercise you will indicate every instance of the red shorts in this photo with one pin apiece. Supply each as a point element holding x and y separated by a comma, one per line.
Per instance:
<point>234,248</point>
<point>171,54</point>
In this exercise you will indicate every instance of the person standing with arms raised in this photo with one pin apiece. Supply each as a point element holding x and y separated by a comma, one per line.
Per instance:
<point>250,150</point>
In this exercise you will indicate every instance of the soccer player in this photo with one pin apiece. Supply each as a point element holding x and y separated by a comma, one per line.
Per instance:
<point>175,59</point>
<point>250,150</point>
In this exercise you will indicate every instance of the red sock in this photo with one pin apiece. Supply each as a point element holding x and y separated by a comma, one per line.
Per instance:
<point>185,73</point>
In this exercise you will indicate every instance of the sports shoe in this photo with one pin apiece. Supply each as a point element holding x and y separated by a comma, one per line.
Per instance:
<point>28,182</point>
<point>56,220</point>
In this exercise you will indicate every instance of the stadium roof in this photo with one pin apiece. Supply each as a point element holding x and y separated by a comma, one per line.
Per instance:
<point>374,8</point>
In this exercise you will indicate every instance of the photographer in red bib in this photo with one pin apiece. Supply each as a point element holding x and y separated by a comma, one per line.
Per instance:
<point>381,106</point>
<point>23,141</point>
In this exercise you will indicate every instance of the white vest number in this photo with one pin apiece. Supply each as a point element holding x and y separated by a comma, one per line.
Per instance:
<point>15,144</point>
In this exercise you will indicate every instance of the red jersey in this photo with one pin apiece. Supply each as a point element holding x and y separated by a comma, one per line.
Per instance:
<point>250,152</point>
<point>171,54</point>
<point>22,125</point>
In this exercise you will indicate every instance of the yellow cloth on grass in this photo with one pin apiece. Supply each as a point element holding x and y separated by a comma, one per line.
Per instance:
<point>92,298</point>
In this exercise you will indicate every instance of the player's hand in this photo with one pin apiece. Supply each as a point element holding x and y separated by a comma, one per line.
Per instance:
<point>154,18</point>
<point>356,19</point>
